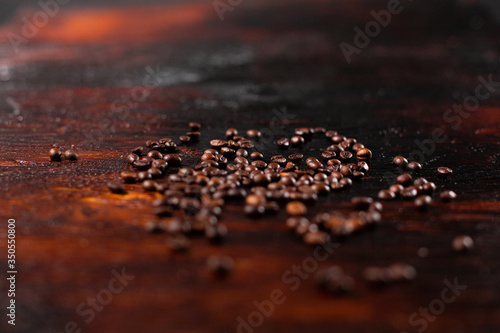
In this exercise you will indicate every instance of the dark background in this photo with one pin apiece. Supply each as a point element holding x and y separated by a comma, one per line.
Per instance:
<point>73,83</point>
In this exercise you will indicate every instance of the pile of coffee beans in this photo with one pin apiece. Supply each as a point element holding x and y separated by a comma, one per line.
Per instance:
<point>231,169</point>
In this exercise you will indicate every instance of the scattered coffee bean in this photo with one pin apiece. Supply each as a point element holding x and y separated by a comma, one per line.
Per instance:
<point>404,179</point>
<point>363,154</point>
<point>386,195</point>
<point>194,126</point>
<point>422,202</point>
<point>283,143</point>
<point>414,166</point>
<point>296,208</point>
<point>400,161</point>
<point>253,133</point>
<point>297,141</point>
<point>117,187</point>
<point>55,154</point>
<point>447,196</point>
<point>70,155</point>
<point>444,171</point>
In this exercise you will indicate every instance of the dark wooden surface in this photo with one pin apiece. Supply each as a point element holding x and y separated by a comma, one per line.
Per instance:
<point>61,86</point>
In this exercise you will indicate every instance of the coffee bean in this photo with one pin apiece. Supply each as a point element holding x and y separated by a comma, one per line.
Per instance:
<point>404,179</point>
<point>218,143</point>
<point>154,154</point>
<point>345,155</point>
<point>327,154</point>
<point>297,141</point>
<point>131,158</point>
<point>70,155</point>
<point>409,193</point>
<point>283,143</point>
<point>329,134</point>
<point>296,208</point>
<point>357,146</point>
<point>319,130</point>
<point>400,161</point>
<point>116,187</point>
<point>149,185</point>
<point>55,154</point>
<point>313,163</point>
<point>194,136</point>
<point>316,238</point>
<point>231,132</point>
<point>141,164</point>
<point>242,153</point>
<point>220,267</point>
<point>128,177</point>
<point>361,203</point>
<point>422,202</point>
<point>245,144</point>
<point>194,126</point>
<point>363,154</point>
<point>173,159</point>
<point>462,244</point>
<point>386,195</point>
<point>256,156</point>
<point>444,171</point>
<point>295,157</point>
<point>414,166</point>
<point>338,138</point>
<point>447,196</point>
<point>138,150</point>
<point>184,139</point>
<point>253,133</point>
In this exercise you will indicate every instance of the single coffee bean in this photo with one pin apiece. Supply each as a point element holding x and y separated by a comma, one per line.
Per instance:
<point>253,133</point>
<point>242,153</point>
<point>143,175</point>
<point>345,155</point>
<point>173,159</point>
<point>194,126</point>
<point>447,196</point>
<point>131,158</point>
<point>128,177</point>
<point>414,166</point>
<point>338,138</point>
<point>296,208</point>
<point>444,171</point>
<point>70,155</point>
<point>328,154</point>
<point>142,164</point>
<point>329,134</point>
<point>357,146</point>
<point>149,185</point>
<point>400,161</point>
<point>283,143</point>
<point>404,179</point>
<point>363,154</point>
<point>185,139</point>
<point>297,141</point>
<point>55,154</point>
<point>313,163</point>
<point>138,150</point>
<point>422,202</point>
<point>256,156</point>
<point>408,193</point>
<point>231,132</point>
<point>462,244</point>
<point>386,195</point>
<point>218,143</point>
<point>117,187</point>
<point>155,154</point>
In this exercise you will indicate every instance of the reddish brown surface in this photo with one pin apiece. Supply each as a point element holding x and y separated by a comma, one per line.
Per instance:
<point>72,233</point>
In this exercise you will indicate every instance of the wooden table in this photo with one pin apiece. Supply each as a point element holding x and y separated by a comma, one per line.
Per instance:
<point>107,78</point>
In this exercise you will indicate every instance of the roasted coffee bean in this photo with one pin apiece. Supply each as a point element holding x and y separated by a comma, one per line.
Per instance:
<point>255,200</point>
<point>296,208</point>
<point>386,195</point>
<point>345,182</point>
<point>159,164</point>
<point>297,141</point>
<point>256,156</point>
<point>363,154</point>
<point>149,185</point>
<point>304,131</point>
<point>194,136</point>
<point>155,172</point>
<point>141,164</point>
<point>327,154</point>
<point>117,187</point>
<point>138,150</point>
<point>338,138</point>
<point>361,203</point>
<point>316,238</point>
<point>420,181</point>
<point>245,144</point>
<point>143,175</point>
<point>232,144</point>
<point>462,244</point>
<point>357,146</point>
<point>422,202</point>
<point>400,161</point>
<point>70,155</point>
<point>404,179</point>
<point>414,166</point>
<point>259,164</point>
<point>128,177</point>
<point>220,267</point>
<point>194,126</point>
<point>428,188</point>
<point>345,155</point>
<point>55,154</point>
<point>131,158</point>
<point>228,152</point>
<point>218,143</point>
<point>231,132</point>
<point>207,156</point>
<point>396,188</point>
<point>444,171</point>
<point>173,159</point>
<point>329,134</point>
<point>319,130</point>
<point>242,153</point>
<point>363,166</point>
<point>313,163</point>
<point>241,160</point>
<point>155,154</point>
<point>283,143</point>
<point>346,171</point>
<point>447,196</point>
<point>170,146</point>
<point>408,193</point>
<point>253,133</point>
<point>185,139</point>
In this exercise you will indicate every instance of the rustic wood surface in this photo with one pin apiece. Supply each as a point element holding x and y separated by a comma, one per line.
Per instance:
<point>85,79</point>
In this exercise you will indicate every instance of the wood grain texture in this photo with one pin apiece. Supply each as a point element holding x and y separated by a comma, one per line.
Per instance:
<point>74,83</point>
